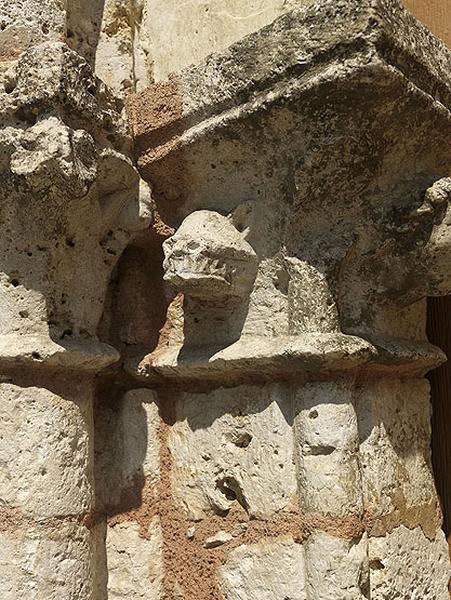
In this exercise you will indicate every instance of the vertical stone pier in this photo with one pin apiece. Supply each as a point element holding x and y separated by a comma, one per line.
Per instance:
<point>305,171</point>
<point>70,204</point>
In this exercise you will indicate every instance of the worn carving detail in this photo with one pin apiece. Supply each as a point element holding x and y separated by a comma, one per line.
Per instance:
<point>212,381</point>
<point>326,138</point>
<point>208,258</point>
<point>70,204</point>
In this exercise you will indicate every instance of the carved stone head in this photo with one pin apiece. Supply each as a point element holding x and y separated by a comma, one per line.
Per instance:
<point>209,258</point>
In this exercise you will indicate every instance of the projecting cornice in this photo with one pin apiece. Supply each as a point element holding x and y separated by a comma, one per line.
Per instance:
<point>375,41</point>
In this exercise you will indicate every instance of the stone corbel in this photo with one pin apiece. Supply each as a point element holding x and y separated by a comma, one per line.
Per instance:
<point>334,125</point>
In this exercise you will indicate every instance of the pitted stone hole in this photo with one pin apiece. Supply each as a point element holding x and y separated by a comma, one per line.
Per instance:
<point>243,440</point>
<point>321,450</point>
<point>224,486</point>
<point>24,314</point>
<point>231,489</point>
<point>36,356</point>
<point>313,414</point>
<point>377,565</point>
<point>9,85</point>
<point>15,282</point>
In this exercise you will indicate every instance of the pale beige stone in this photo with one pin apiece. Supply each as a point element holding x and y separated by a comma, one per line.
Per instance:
<point>46,562</point>
<point>135,567</point>
<point>268,571</point>
<point>394,425</point>
<point>183,33</point>
<point>128,449</point>
<point>327,446</point>
<point>233,447</point>
<point>406,565</point>
<point>303,170</point>
<point>46,452</point>
<point>336,568</point>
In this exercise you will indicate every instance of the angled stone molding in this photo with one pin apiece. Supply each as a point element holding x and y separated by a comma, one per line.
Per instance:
<point>324,140</point>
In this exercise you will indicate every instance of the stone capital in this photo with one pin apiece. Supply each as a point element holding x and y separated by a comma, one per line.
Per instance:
<point>70,205</point>
<point>324,138</point>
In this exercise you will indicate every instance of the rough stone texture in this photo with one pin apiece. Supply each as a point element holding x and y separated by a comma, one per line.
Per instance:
<point>183,33</point>
<point>128,468</point>
<point>271,299</point>
<point>113,35</point>
<point>245,574</point>
<point>336,567</point>
<point>233,447</point>
<point>394,426</point>
<point>324,140</point>
<point>134,562</point>
<point>70,205</point>
<point>52,437</point>
<point>399,569</point>
<point>46,563</point>
<point>25,23</point>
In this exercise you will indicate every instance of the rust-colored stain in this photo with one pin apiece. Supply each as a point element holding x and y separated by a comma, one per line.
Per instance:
<point>435,14</point>
<point>156,117</point>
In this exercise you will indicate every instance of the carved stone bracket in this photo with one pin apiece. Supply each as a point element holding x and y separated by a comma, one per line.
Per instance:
<point>332,152</point>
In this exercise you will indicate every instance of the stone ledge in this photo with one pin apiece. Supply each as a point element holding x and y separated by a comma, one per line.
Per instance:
<point>39,352</point>
<point>290,357</point>
<point>274,65</point>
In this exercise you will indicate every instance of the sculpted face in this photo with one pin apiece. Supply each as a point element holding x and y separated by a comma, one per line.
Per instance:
<point>208,258</point>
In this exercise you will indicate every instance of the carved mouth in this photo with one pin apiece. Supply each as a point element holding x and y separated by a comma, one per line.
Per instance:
<point>197,268</point>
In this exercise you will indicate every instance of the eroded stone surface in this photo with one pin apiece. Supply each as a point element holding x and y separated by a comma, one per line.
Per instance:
<point>304,169</point>
<point>184,33</point>
<point>135,566</point>
<point>127,448</point>
<point>54,447</point>
<point>397,478</point>
<point>269,570</point>
<point>407,565</point>
<point>25,23</point>
<point>233,447</point>
<point>336,568</point>
<point>47,562</point>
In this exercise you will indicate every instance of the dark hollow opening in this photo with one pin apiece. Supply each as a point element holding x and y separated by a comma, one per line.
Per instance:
<point>439,333</point>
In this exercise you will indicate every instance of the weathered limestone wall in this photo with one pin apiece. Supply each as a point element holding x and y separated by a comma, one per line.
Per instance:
<point>183,33</point>
<point>316,484</point>
<point>234,407</point>
<point>70,205</point>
